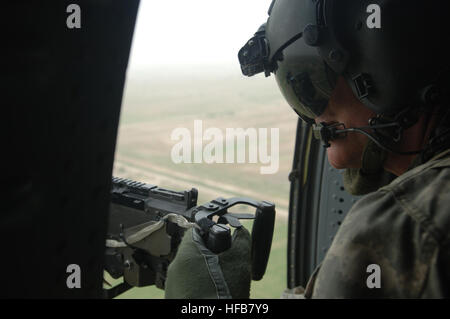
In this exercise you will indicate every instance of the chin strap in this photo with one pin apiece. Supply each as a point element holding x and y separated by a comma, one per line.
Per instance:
<point>440,139</point>
<point>371,176</point>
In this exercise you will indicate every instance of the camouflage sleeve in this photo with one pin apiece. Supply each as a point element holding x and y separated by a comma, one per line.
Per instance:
<point>382,250</point>
<point>438,283</point>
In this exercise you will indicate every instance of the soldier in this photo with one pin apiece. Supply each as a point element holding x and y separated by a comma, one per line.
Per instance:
<point>372,78</point>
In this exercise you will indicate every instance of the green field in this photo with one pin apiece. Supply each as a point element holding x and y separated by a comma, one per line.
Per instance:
<point>158,101</point>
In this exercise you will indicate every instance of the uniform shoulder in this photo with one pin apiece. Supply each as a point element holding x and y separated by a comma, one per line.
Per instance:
<point>401,228</point>
<point>423,194</point>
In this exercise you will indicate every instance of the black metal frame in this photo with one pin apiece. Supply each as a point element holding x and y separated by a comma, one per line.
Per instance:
<point>62,116</point>
<point>302,230</point>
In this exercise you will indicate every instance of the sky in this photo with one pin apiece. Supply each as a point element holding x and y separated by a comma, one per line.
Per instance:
<point>192,32</point>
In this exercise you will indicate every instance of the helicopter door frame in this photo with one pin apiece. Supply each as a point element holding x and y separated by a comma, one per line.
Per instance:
<point>318,203</point>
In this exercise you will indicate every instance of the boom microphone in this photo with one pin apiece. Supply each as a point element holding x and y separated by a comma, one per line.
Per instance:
<point>329,132</point>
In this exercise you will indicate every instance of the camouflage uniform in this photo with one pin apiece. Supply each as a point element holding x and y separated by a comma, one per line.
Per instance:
<point>404,228</point>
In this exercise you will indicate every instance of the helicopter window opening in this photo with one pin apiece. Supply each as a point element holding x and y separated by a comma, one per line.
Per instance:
<point>176,82</point>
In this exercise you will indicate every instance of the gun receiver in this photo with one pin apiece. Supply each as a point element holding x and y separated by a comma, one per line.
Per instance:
<point>147,223</point>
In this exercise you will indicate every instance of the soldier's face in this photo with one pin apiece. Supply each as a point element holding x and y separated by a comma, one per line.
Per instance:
<point>344,107</point>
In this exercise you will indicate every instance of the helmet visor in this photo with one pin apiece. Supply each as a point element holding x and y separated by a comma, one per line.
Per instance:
<point>305,80</point>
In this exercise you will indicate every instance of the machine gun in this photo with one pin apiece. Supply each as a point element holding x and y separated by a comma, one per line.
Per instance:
<point>146,224</point>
